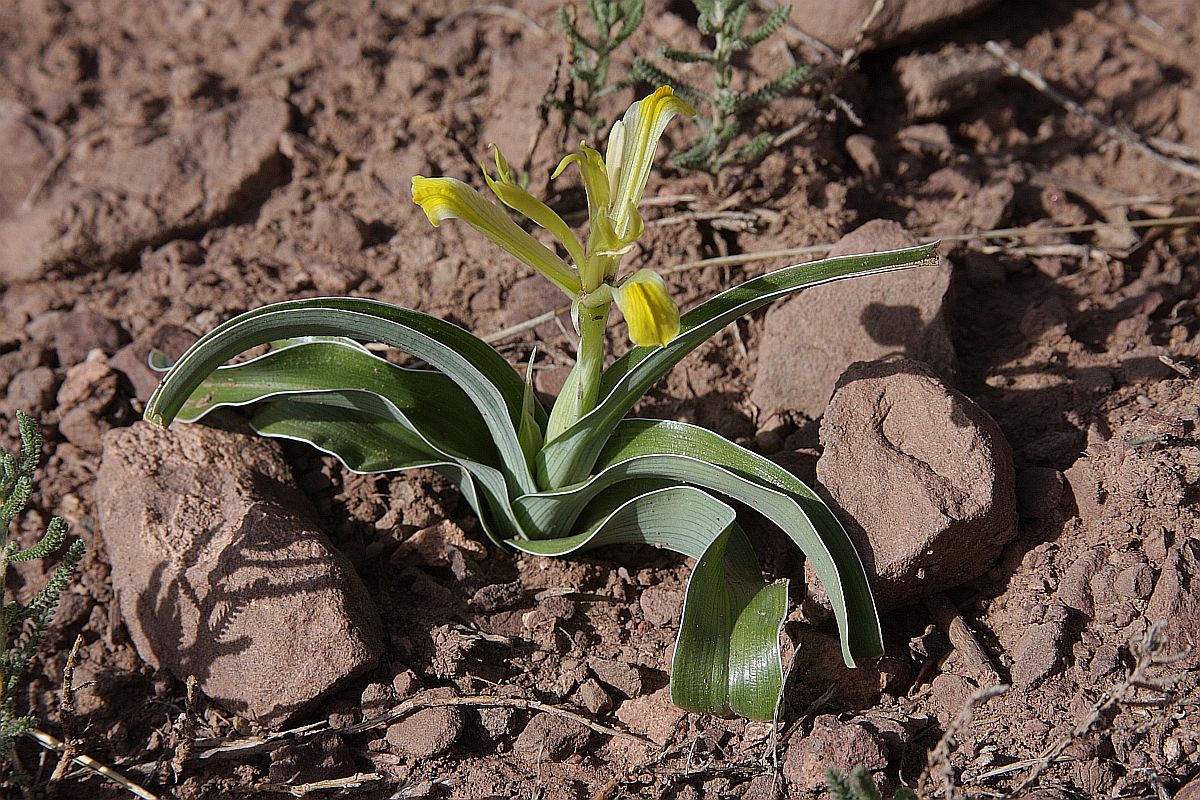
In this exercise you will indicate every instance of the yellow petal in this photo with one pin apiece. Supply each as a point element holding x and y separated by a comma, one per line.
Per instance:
<point>641,129</point>
<point>448,198</point>
<point>650,313</point>
<point>521,201</point>
<point>595,177</point>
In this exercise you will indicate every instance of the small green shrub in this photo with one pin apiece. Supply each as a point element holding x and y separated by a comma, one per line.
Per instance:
<point>859,785</point>
<point>728,107</point>
<point>614,21</point>
<point>23,626</point>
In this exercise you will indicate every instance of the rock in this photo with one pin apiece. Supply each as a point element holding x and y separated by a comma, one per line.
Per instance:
<point>1190,791</point>
<point>433,546</point>
<point>1039,652</point>
<point>1136,582</point>
<point>922,476</point>
<point>1176,600</point>
<point>1039,491</point>
<point>549,737</point>
<point>832,744</point>
<point>652,715</point>
<point>900,312</point>
<point>1075,589</point>
<point>322,757</point>
<point>140,197</point>
<point>131,360</point>
<point>376,699</point>
<point>838,23</point>
<point>864,152</point>
<point>939,83</point>
<point>428,733</point>
<point>498,596</point>
<point>32,390</point>
<point>87,393</point>
<point>221,573</point>
<point>80,331</point>
<point>591,695</point>
<point>336,229</point>
<point>625,678</point>
<point>661,605</point>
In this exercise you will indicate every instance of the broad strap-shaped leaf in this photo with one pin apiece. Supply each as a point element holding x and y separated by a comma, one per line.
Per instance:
<point>727,651</point>
<point>487,379</point>
<point>659,450</point>
<point>429,401</point>
<point>365,433</point>
<point>570,457</point>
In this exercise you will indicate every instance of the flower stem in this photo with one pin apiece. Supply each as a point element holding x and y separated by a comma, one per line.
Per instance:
<point>580,392</point>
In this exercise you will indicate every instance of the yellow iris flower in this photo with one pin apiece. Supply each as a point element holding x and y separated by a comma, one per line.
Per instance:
<point>614,184</point>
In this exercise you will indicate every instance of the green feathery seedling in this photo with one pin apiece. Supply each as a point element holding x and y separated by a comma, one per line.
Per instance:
<point>859,785</point>
<point>615,21</point>
<point>582,475</point>
<point>24,625</point>
<point>728,107</point>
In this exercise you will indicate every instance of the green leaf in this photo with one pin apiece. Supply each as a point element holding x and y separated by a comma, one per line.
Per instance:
<point>727,651</point>
<point>672,451</point>
<point>492,385</point>
<point>569,458</point>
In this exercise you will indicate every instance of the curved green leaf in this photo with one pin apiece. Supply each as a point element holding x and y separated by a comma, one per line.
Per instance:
<point>492,384</point>
<point>727,651</point>
<point>663,450</point>
<point>569,458</point>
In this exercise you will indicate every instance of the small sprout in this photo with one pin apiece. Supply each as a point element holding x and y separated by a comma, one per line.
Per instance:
<point>728,108</point>
<point>859,785</point>
<point>614,22</point>
<point>24,626</point>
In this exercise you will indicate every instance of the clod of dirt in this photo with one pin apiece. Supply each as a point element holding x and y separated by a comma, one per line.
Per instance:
<point>652,715</point>
<point>1039,491</point>
<point>1189,792</point>
<point>221,573</point>
<point>940,83</point>
<point>1039,652</point>
<point>435,546</point>
<point>139,197</point>
<point>429,732</point>
<point>923,478</point>
<point>80,331</point>
<point>832,744</point>
<point>809,340</point>
<point>1176,599</point>
<point>591,695</point>
<point>321,758</point>
<point>549,737</point>
<point>661,605</point>
<point>32,390</point>
<point>625,678</point>
<point>86,395</point>
<point>839,23</point>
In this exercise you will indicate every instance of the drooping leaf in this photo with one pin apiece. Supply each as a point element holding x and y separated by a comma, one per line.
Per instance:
<point>569,457</point>
<point>484,376</point>
<point>727,650</point>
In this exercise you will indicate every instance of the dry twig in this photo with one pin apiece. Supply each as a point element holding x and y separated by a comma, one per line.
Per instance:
<point>50,743</point>
<point>66,713</point>
<point>939,757</point>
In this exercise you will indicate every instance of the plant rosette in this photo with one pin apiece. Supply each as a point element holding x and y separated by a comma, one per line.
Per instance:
<point>582,475</point>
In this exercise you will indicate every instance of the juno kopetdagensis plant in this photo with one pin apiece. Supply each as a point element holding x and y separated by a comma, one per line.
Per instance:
<point>583,474</point>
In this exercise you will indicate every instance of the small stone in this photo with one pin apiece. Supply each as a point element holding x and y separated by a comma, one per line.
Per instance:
<point>1176,600</point>
<point>498,596</point>
<point>428,733</point>
<point>432,546</point>
<point>91,386</point>
<point>922,476</point>
<point>405,684</point>
<point>1039,491</point>
<point>625,678</point>
<point>840,23</point>
<point>80,331</point>
<point>376,699</point>
<point>323,757</point>
<point>832,744</point>
<point>498,723</point>
<point>336,229</point>
<point>1039,653</point>
<point>940,83</point>
<point>131,360</point>
<point>549,737</point>
<point>32,390</point>
<point>875,317</point>
<point>1135,583</point>
<point>1106,659</point>
<point>1190,791</point>
<point>221,573</point>
<point>864,152</point>
<point>84,429</point>
<point>661,605</point>
<point>591,695</point>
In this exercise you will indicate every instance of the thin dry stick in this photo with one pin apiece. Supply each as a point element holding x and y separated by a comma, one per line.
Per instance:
<point>963,638</point>
<point>355,781</point>
<point>939,756</point>
<point>1014,67</point>
<point>818,249</point>
<point>225,748</point>
<point>1148,654</point>
<point>66,713</point>
<point>50,743</point>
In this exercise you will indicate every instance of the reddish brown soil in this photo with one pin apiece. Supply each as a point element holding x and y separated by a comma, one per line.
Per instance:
<point>1062,351</point>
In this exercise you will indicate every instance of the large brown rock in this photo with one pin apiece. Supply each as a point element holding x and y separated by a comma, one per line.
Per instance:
<point>833,744</point>
<point>811,339</point>
<point>145,195</point>
<point>221,573</point>
<point>839,22</point>
<point>922,477</point>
